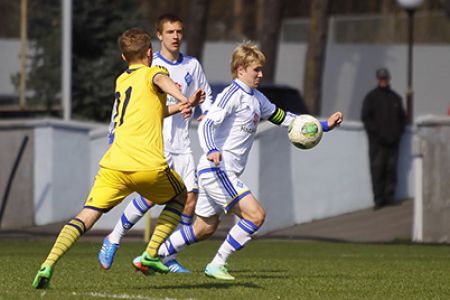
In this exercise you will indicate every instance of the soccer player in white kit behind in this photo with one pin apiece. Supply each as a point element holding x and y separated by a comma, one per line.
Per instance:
<point>226,135</point>
<point>188,75</point>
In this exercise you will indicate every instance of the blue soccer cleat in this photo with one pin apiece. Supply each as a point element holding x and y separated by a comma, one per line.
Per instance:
<point>218,272</point>
<point>175,267</point>
<point>106,254</point>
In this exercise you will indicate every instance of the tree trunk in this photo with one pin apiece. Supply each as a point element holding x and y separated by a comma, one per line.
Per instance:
<point>446,5</point>
<point>385,30</point>
<point>315,55</point>
<point>269,35</point>
<point>237,20</point>
<point>244,19</point>
<point>196,31</point>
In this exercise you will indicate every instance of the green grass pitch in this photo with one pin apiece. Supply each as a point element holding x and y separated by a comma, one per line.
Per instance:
<point>264,269</point>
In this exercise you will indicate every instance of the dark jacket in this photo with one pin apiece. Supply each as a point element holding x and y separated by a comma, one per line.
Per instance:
<point>383,115</point>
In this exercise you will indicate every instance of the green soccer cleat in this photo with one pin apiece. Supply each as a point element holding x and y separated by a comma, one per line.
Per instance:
<point>153,263</point>
<point>218,272</point>
<point>137,265</point>
<point>42,279</point>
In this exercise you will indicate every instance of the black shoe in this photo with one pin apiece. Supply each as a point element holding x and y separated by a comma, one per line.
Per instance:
<point>378,206</point>
<point>394,203</point>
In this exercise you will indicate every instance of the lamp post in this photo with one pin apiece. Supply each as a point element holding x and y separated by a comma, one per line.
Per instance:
<point>410,7</point>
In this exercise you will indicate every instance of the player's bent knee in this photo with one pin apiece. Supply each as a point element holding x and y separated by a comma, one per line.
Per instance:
<point>205,228</point>
<point>257,217</point>
<point>209,231</point>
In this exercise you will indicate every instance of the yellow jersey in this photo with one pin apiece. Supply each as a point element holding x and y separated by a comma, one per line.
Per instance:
<point>138,120</point>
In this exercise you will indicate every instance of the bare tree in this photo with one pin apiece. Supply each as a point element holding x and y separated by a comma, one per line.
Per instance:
<point>244,19</point>
<point>269,35</point>
<point>315,54</point>
<point>196,31</point>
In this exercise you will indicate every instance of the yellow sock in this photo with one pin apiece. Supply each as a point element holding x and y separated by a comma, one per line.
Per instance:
<point>166,224</point>
<point>65,240</point>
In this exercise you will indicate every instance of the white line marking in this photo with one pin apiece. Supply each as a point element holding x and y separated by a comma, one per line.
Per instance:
<point>122,296</point>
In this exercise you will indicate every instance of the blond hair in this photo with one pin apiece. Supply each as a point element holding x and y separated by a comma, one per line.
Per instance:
<point>134,44</point>
<point>245,55</point>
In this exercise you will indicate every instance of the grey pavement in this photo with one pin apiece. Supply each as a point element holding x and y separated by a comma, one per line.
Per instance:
<point>389,224</point>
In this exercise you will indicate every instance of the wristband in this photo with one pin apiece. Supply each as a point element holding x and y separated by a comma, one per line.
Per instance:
<point>324,126</point>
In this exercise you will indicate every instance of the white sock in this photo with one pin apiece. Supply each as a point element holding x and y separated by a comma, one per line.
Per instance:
<point>177,241</point>
<point>237,237</point>
<point>134,211</point>
<point>185,221</point>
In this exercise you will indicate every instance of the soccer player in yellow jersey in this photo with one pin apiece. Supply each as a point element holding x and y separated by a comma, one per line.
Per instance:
<point>135,161</point>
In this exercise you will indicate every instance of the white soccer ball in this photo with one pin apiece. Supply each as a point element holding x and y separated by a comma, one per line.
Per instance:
<point>305,132</point>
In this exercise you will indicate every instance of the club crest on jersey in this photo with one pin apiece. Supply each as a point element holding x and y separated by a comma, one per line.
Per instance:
<point>188,78</point>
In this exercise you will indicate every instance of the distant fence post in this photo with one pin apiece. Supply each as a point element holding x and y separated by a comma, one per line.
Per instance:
<point>433,133</point>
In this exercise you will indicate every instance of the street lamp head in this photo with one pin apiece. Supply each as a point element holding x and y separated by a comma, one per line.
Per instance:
<point>410,4</point>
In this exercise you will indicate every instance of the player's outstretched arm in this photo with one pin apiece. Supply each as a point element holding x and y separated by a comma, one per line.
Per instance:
<point>197,97</point>
<point>181,107</point>
<point>166,84</point>
<point>335,120</point>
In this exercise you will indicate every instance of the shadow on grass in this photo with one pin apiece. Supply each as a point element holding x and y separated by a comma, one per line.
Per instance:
<point>265,276</point>
<point>212,285</point>
<point>261,274</point>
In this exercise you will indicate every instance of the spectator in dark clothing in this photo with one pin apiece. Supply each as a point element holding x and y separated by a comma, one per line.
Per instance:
<point>384,120</point>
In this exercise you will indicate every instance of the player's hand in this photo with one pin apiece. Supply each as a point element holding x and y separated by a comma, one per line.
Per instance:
<point>198,97</point>
<point>185,109</point>
<point>215,157</point>
<point>335,120</point>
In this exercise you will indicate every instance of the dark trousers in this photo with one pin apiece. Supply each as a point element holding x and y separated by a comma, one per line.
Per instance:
<point>383,169</point>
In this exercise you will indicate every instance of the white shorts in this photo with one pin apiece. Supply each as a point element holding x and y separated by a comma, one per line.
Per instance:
<point>218,192</point>
<point>183,164</point>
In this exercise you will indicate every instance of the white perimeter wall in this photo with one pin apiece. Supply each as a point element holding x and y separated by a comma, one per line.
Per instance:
<point>61,168</point>
<point>296,186</point>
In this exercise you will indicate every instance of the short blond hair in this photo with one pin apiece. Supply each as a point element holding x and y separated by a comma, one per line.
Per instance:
<point>245,55</point>
<point>134,44</point>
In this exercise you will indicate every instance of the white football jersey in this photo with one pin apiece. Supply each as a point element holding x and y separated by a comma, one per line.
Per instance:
<point>188,75</point>
<point>231,123</point>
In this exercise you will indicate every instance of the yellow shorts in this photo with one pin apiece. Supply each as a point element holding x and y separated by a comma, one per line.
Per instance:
<point>112,186</point>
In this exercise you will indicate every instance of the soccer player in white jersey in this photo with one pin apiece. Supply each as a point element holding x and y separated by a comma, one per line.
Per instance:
<point>188,74</point>
<point>226,135</point>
